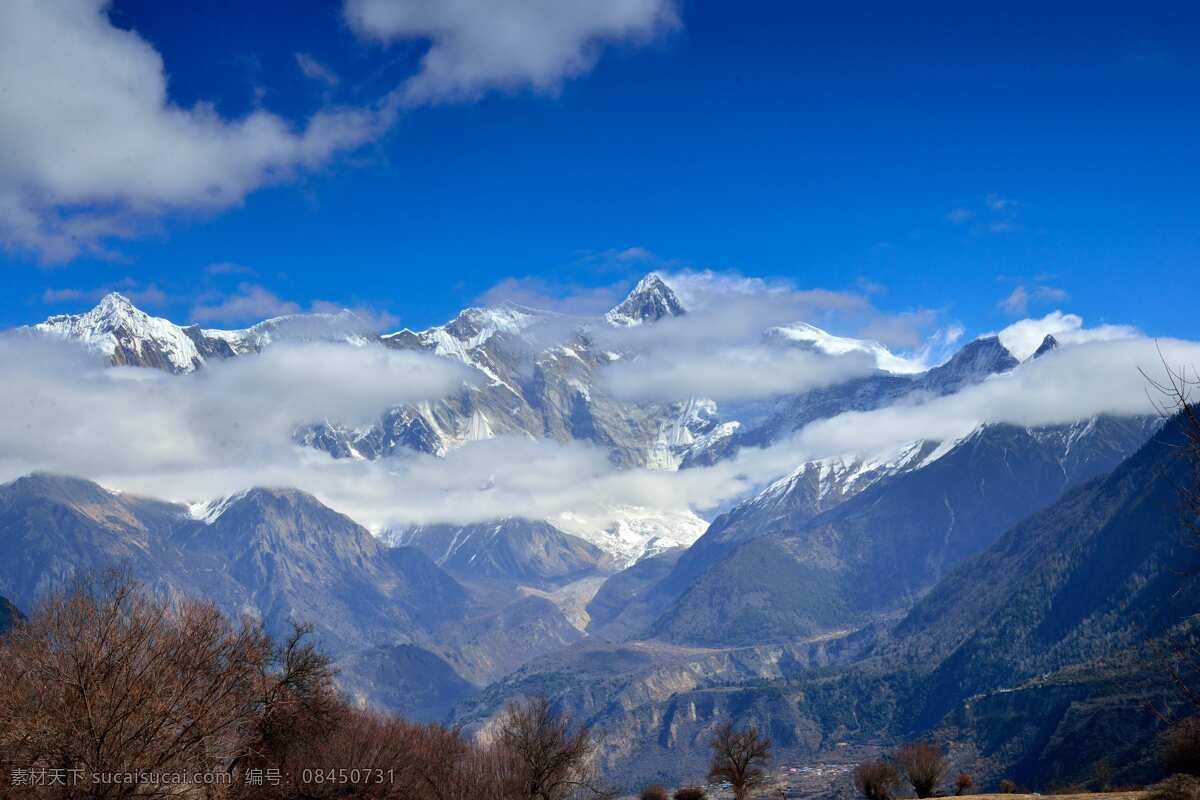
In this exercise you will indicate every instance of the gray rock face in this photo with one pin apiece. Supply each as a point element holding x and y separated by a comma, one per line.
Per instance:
<point>781,567</point>
<point>1075,581</point>
<point>531,553</point>
<point>284,558</point>
<point>650,301</point>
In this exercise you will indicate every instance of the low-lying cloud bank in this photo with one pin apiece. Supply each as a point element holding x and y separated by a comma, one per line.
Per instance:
<point>195,437</point>
<point>1023,338</point>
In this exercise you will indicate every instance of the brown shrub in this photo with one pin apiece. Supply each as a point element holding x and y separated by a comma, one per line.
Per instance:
<point>876,779</point>
<point>108,678</point>
<point>690,793</point>
<point>655,792</point>
<point>923,765</point>
<point>963,784</point>
<point>1008,787</point>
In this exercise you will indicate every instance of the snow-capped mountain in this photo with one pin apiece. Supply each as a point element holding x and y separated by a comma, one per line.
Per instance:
<point>632,533</point>
<point>538,375</point>
<point>650,301</point>
<point>826,342</point>
<point>129,336</point>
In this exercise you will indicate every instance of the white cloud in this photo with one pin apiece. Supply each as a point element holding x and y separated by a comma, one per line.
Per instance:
<point>1077,381</point>
<point>311,68</point>
<point>480,45</point>
<point>723,347</point>
<point>726,373</point>
<point>195,437</point>
<point>64,410</point>
<point>142,294</point>
<point>1023,338</point>
<point>959,215</point>
<point>1019,299</point>
<point>251,302</point>
<point>92,147</point>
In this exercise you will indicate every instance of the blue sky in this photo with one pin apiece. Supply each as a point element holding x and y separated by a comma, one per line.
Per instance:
<point>938,157</point>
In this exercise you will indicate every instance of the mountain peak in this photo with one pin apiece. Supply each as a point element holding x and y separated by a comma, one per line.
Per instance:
<point>126,335</point>
<point>114,311</point>
<point>977,360</point>
<point>1048,344</point>
<point>115,301</point>
<point>651,300</point>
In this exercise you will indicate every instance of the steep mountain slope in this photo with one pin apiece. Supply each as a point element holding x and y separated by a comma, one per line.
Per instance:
<point>624,591</point>
<point>1102,570</point>
<point>799,573</point>
<point>52,526</point>
<point>282,557</point>
<point>533,553</point>
<point>1018,656</point>
<point>291,558</point>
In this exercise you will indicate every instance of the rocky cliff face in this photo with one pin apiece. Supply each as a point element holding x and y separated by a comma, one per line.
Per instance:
<point>284,558</point>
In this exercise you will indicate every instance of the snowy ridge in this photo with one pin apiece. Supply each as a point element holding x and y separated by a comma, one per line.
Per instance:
<point>127,335</point>
<point>210,512</point>
<point>828,343</point>
<point>344,326</point>
<point>696,427</point>
<point>631,533</point>
<point>116,325</point>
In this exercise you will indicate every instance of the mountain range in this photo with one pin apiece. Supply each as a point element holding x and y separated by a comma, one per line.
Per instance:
<point>852,601</point>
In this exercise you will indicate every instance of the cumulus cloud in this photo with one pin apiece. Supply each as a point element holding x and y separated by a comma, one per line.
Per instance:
<point>92,147</point>
<point>480,45</point>
<point>139,293</point>
<point>1023,338</point>
<point>250,302</point>
<point>1019,299</point>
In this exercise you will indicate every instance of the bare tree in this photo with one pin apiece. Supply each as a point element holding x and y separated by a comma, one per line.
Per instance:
<point>923,765</point>
<point>105,679</point>
<point>963,784</point>
<point>542,757</point>
<point>876,779</point>
<point>740,758</point>
<point>1175,389</point>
